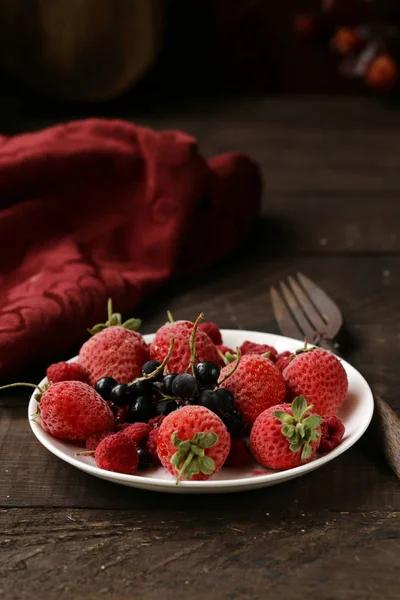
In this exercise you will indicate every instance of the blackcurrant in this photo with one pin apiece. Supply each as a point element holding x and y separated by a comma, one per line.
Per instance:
<point>142,410</point>
<point>226,399</point>
<point>167,383</point>
<point>233,422</point>
<point>142,388</point>
<point>150,366</point>
<point>207,373</point>
<point>122,395</point>
<point>210,400</point>
<point>144,459</point>
<point>104,387</point>
<point>165,407</point>
<point>156,393</point>
<point>184,385</point>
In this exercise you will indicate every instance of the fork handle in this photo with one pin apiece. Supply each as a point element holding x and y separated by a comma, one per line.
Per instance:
<point>330,345</point>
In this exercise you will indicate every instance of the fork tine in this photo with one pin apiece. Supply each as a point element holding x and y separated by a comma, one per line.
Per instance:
<point>283,317</point>
<point>327,307</point>
<point>306,328</point>
<point>312,313</point>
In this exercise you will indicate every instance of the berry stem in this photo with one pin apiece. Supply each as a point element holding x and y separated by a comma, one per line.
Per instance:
<point>234,367</point>
<point>159,369</point>
<point>109,309</point>
<point>192,343</point>
<point>31,385</point>
<point>181,471</point>
<point>170,317</point>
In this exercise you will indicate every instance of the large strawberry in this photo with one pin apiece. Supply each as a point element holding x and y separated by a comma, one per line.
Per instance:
<point>320,377</point>
<point>285,436</point>
<point>256,385</point>
<point>180,357</point>
<point>73,410</point>
<point>193,443</point>
<point>115,350</point>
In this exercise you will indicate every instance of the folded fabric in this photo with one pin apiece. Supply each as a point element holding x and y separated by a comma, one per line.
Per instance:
<point>94,209</point>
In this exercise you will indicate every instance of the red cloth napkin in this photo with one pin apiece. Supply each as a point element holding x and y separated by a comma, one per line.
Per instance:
<point>96,208</point>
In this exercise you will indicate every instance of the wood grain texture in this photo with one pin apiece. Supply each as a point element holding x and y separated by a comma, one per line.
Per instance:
<point>174,555</point>
<point>330,209</point>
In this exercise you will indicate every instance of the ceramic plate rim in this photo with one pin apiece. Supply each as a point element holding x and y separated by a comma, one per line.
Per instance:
<point>240,484</point>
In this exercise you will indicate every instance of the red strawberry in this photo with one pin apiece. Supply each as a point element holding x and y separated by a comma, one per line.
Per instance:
<point>253,348</point>
<point>212,330</point>
<point>320,377</point>
<point>180,357</point>
<point>94,440</point>
<point>238,455</point>
<point>63,371</point>
<point>198,427</point>
<point>138,432</point>
<point>284,359</point>
<point>117,453</point>
<point>115,350</point>
<point>73,410</point>
<point>332,432</point>
<point>256,385</point>
<point>285,436</point>
<point>151,446</point>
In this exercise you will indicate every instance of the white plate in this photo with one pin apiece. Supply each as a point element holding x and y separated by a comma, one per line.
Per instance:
<point>356,414</point>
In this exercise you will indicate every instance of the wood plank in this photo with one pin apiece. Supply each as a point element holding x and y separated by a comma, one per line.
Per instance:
<point>174,555</point>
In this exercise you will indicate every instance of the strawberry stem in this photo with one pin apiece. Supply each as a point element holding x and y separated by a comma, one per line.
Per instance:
<point>234,367</point>
<point>192,342</point>
<point>181,471</point>
<point>85,453</point>
<point>109,309</point>
<point>170,317</point>
<point>31,385</point>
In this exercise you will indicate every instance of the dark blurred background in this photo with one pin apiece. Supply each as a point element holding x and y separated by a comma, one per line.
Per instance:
<point>107,57</point>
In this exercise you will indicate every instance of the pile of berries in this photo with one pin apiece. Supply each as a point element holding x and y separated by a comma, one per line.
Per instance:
<point>191,404</point>
<point>365,36</point>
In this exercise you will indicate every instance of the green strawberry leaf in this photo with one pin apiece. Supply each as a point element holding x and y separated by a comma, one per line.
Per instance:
<point>307,451</point>
<point>132,324</point>
<point>97,328</point>
<point>296,445</point>
<point>210,439</point>
<point>300,430</point>
<point>313,421</point>
<point>207,465</point>
<point>197,450</point>
<point>178,458</point>
<point>230,358</point>
<point>288,431</point>
<point>283,417</point>
<point>299,407</point>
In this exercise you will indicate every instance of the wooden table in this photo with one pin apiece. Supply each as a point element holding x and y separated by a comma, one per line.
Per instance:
<point>331,209</point>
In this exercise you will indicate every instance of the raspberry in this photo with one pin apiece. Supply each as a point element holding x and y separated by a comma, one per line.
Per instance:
<point>238,455</point>
<point>117,453</point>
<point>63,371</point>
<point>151,446</point>
<point>156,422</point>
<point>283,360</point>
<point>212,331</point>
<point>138,432</point>
<point>94,440</point>
<point>253,348</point>
<point>332,431</point>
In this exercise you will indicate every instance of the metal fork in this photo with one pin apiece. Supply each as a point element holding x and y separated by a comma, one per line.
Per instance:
<point>303,310</point>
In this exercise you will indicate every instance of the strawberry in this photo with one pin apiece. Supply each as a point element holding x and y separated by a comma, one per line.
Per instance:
<point>151,446</point>
<point>256,385</point>
<point>212,330</point>
<point>180,358</point>
<point>320,377</point>
<point>253,348</point>
<point>73,410</point>
<point>193,443</point>
<point>138,432</point>
<point>332,432</point>
<point>238,455</point>
<point>117,453</point>
<point>286,436</point>
<point>283,359</point>
<point>63,371</point>
<point>115,350</point>
<point>94,440</point>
